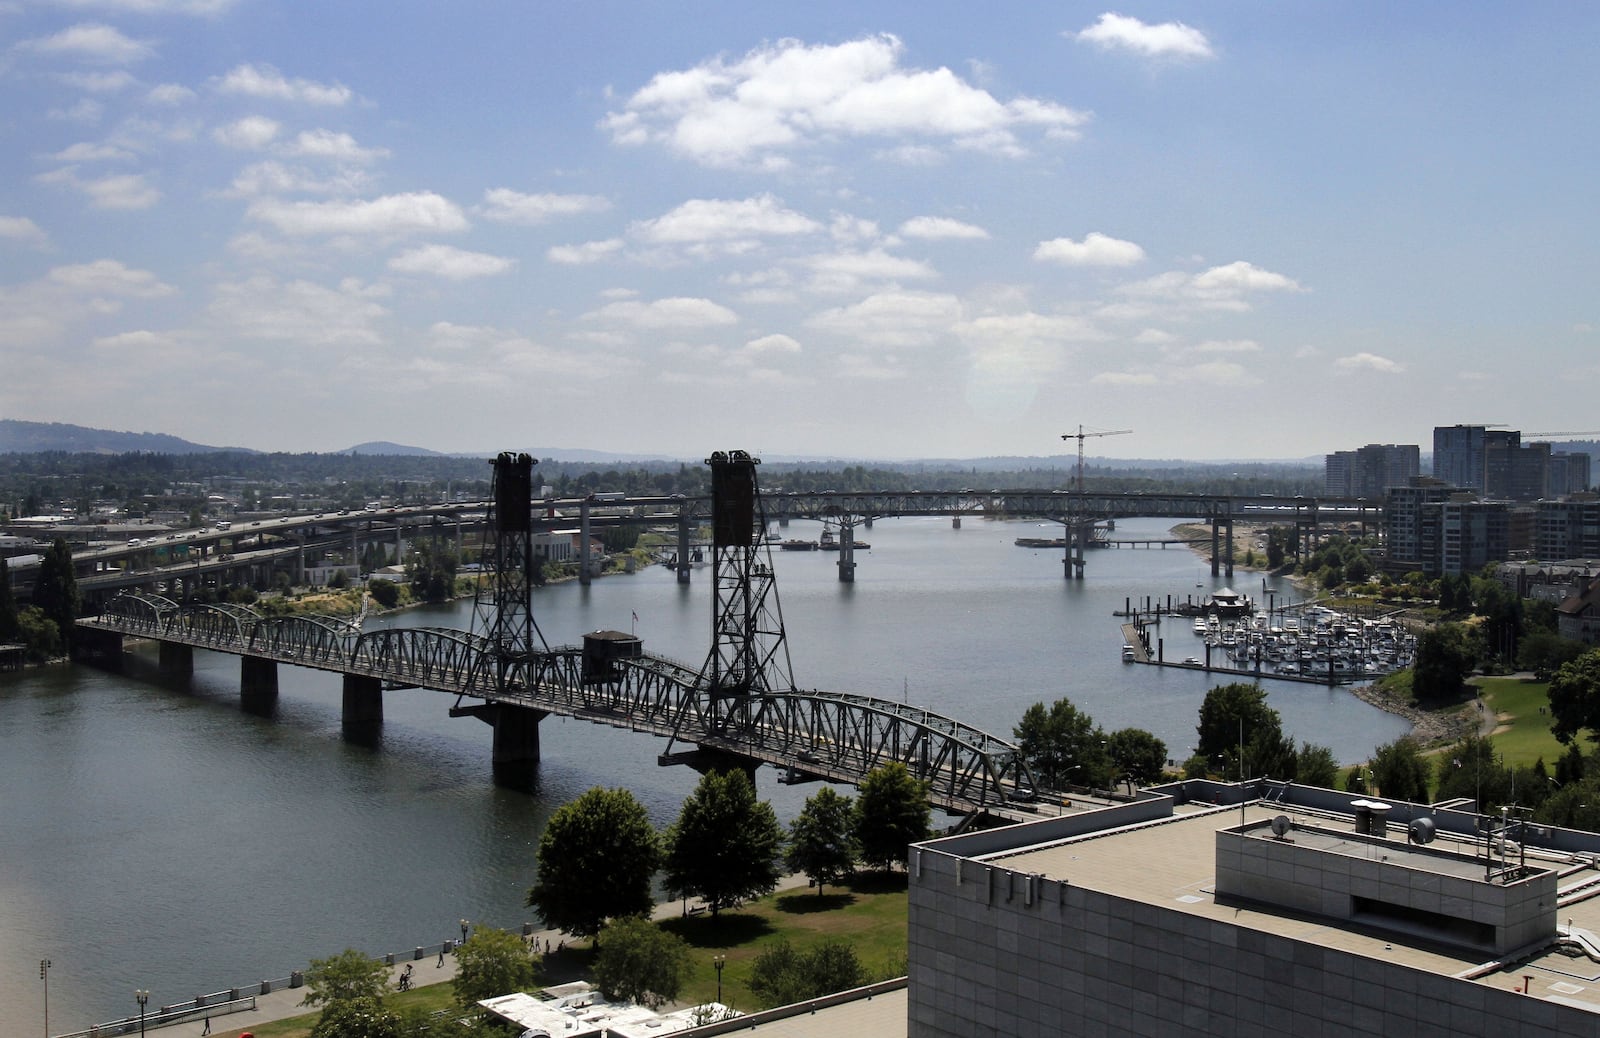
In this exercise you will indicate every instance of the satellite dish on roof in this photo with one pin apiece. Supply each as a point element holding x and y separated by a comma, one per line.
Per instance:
<point>1280,825</point>
<point>1421,830</point>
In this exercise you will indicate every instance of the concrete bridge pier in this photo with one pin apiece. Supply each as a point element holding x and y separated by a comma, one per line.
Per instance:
<point>684,568</point>
<point>516,745</point>
<point>175,659</point>
<point>1216,549</point>
<point>847,554</point>
<point>583,544</point>
<point>258,677</point>
<point>1227,552</point>
<point>363,706</point>
<point>955,522</point>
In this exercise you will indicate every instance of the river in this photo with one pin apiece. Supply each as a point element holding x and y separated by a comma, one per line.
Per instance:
<point>153,835</point>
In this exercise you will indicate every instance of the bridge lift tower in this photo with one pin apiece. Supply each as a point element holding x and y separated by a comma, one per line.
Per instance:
<point>749,653</point>
<point>502,616</point>
<point>1081,528</point>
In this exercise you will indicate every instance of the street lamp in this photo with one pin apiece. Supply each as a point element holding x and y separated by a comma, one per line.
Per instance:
<point>44,975</point>
<point>464,926</point>
<point>719,961</point>
<point>143,998</point>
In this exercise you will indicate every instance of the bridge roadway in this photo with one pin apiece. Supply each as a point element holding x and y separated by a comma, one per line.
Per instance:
<point>808,734</point>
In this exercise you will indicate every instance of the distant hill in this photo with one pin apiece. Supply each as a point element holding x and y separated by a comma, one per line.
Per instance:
<point>18,437</point>
<point>391,449</point>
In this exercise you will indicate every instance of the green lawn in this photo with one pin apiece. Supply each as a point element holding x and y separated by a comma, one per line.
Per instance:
<point>869,912</point>
<point>1528,737</point>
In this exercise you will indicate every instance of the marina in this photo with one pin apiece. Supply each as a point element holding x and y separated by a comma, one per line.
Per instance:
<point>1307,642</point>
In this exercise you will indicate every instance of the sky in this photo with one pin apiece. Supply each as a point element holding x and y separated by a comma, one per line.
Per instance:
<point>867,230</point>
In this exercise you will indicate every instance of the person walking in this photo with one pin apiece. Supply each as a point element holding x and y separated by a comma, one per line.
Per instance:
<point>207,1028</point>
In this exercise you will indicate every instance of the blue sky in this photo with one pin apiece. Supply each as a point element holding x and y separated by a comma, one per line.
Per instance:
<point>1242,230</point>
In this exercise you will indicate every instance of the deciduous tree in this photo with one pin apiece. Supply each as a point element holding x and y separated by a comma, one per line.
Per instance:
<point>822,843</point>
<point>1400,771</point>
<point>726,846</point>
<point>783,975</point>
<point>55,590</point>
<point>349,976</point>
<point>492,962</point>
<point>640,962</point>
<point>1136,755</point>
<point>596,859</point>
<point>1062,746</point>
<point>891,814</point>
<point>1575,697</point>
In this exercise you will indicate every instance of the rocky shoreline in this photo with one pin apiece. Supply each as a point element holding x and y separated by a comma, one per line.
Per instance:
<point>1428,727</point>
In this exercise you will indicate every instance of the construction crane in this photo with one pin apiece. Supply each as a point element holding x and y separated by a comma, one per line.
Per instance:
<point>1582,432</point>
<point>1082,435</point>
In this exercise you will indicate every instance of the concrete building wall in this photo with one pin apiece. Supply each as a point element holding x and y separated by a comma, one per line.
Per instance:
<point>985,960</point>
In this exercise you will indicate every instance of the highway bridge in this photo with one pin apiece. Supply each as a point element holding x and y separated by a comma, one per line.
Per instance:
<point>290,541</point>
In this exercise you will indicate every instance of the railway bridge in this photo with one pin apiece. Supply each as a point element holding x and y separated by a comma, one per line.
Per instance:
<point>741,707</point>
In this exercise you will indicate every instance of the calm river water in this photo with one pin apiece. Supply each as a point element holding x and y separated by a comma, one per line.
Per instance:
<point>154,836</point>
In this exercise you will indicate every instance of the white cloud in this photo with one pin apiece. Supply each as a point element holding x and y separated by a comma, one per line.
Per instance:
<point>21,229</point>
<point>124,191</point>
<point>109,278</point>
<point>275,178</point>
<point>84,151</point>
<point>1216,373</point>
<point>847,271</point>
<point>892,319</point>
<point>423,212</point>
<point>728,223</point>
<point>1023,346</point>
<point>1219,288</point>
<point>84,110</point>
<point>940,227</point>
<point>264,81</point>
<point>490,353</point>
<point>93,42</point>
<point>326,144</point>
<point>449,262</point>
<point>1369,362</point>
<point>252,133</point>
<point>1096,250</point>
<point>772,344</point>
<point>99,82</point>
<point>789,95</point>
<point>170,94</point>
<point>1166,40</point>
<point>503,205</point>
<point>673,313</point>
<point>588,252</point>
<point>301,313</point>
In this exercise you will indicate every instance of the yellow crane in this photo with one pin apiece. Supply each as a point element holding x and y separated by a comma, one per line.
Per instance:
<point>1083,434</point>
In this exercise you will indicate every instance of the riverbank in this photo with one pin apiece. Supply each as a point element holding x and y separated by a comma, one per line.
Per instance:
<point>1431,728</point>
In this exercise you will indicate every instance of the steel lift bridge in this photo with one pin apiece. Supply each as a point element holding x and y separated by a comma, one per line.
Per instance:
<point>741,708</point>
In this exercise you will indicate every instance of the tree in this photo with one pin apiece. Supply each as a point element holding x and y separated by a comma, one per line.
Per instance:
<point>1400,771</point>
<point>55,590</point>
<point>1471,768</point>
<point>1445,657</point>
<point>1543,652</point>
<point>726,847</point>
<point>1062,746</point>
<point>782,975</point>
<point>1136,755</point>
<point>1575,697</point>
<point>1316,766</point>
<point>349,976</point>
<point>492,962</point>
<point>639,961</point>
<point>821,843</point>
<point>596,859</point>
<point>1237,710</point>
<point>357,1018</point>
<point>891,814</point>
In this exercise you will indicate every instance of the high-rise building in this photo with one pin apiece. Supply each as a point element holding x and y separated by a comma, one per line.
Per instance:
<point>1568,529</point>
<point>1369,471</point>
<point>1458,456</point>
<point>1570,473</point>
